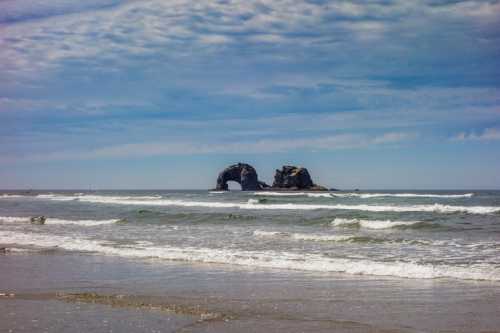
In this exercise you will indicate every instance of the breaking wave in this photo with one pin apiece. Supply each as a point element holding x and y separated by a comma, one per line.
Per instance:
<point>377,224</point>
<point>362,195</point>
<point>251,204</point>
<point>261,259</point>
<point>55,221</point>
<point>293,194</point>
<point>304,237</point>
<point>83,197</point>
<point>402,195</point>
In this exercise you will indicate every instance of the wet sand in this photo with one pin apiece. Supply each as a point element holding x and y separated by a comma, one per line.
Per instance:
<point>68,292</point>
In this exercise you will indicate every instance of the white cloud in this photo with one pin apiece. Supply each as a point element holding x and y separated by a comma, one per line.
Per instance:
<point>113,30</point>
<point>489,134</point>
<point>215,39</point>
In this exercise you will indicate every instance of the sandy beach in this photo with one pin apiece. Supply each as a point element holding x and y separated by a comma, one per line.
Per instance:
<point>86,293</point>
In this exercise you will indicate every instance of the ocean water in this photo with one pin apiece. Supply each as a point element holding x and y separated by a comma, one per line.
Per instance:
<point>403,234</point>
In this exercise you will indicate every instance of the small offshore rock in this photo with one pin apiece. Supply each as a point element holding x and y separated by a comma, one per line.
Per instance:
<point>38,220</point>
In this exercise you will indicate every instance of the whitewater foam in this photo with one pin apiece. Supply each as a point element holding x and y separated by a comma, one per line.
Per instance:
<point>85,197</point>
<point>402,195</point>
<point>321,238</point>
<point>362,195</point>
<point>263,233</point>
<point>303,236</point>
<point>56,221</point>
<point>293,194</point>
<point>10,196</point>
<point>372,224</point>
<point>253,201</point>
<point>13,219</point>
<point>83,223</point>
<point>436,208</point>
<point>262,259</point>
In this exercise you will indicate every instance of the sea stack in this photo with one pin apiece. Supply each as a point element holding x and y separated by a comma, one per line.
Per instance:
<point>289,178</point>
<point>242,173</point>
<point>293,178</point>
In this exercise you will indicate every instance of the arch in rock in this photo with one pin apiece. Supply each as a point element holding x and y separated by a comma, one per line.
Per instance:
<point>242,173</point>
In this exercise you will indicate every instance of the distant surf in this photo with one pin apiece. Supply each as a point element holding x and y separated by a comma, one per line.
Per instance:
<point>362,195</point>
<point>257,205</point>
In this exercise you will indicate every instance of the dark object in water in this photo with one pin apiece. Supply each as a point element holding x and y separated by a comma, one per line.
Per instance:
<point>295,178</point>
<point>37,220</point>
<point>242,173</point>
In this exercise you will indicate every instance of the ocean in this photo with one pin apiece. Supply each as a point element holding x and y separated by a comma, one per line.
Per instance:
<point>402,234</point>
<point>202,261</point>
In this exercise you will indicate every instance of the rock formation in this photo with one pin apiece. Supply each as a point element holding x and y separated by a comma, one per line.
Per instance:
<point>289,178</point>
<point>242,173</point>
<point>294,178</point>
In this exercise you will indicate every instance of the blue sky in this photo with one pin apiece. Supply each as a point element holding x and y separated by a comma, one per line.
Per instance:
<point>165,94</point>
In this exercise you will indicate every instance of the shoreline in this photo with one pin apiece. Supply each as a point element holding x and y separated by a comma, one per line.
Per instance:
<point>212,298</point>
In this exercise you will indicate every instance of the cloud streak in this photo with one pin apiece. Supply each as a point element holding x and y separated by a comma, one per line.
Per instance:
<point>266,146</point>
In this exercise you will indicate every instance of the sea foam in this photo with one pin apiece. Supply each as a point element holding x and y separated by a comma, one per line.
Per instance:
<point>372,224</point>
<point>361,195</point>
<point>262,259</point>
<point>293,194</point>
<point>6,196</point>
<point>403,195</point>
<point>303,236</point>
<point>435,208</point>
<point>55,221</point>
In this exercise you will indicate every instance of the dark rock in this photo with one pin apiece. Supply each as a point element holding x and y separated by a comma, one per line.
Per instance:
<point>38,220</point>
<point>242,173</point>
<point>294,178</point>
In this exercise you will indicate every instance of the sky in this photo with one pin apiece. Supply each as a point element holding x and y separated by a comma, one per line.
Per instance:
<point>164,94</point>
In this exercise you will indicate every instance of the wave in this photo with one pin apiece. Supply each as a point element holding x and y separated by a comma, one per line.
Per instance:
<point>13,219</point>
<point>435,208</point>
<point>293,194</point>
<point>334,238</point>
<point>304,237</point>
<point>81,196</point>
<point>401,195</point>
<point>375,224</point>
<point>362,195</point>
<point>84,223</point>
<point>260,259</point>
<point>11,196</point>
<point>55,221</point>
<point>263,233</point>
